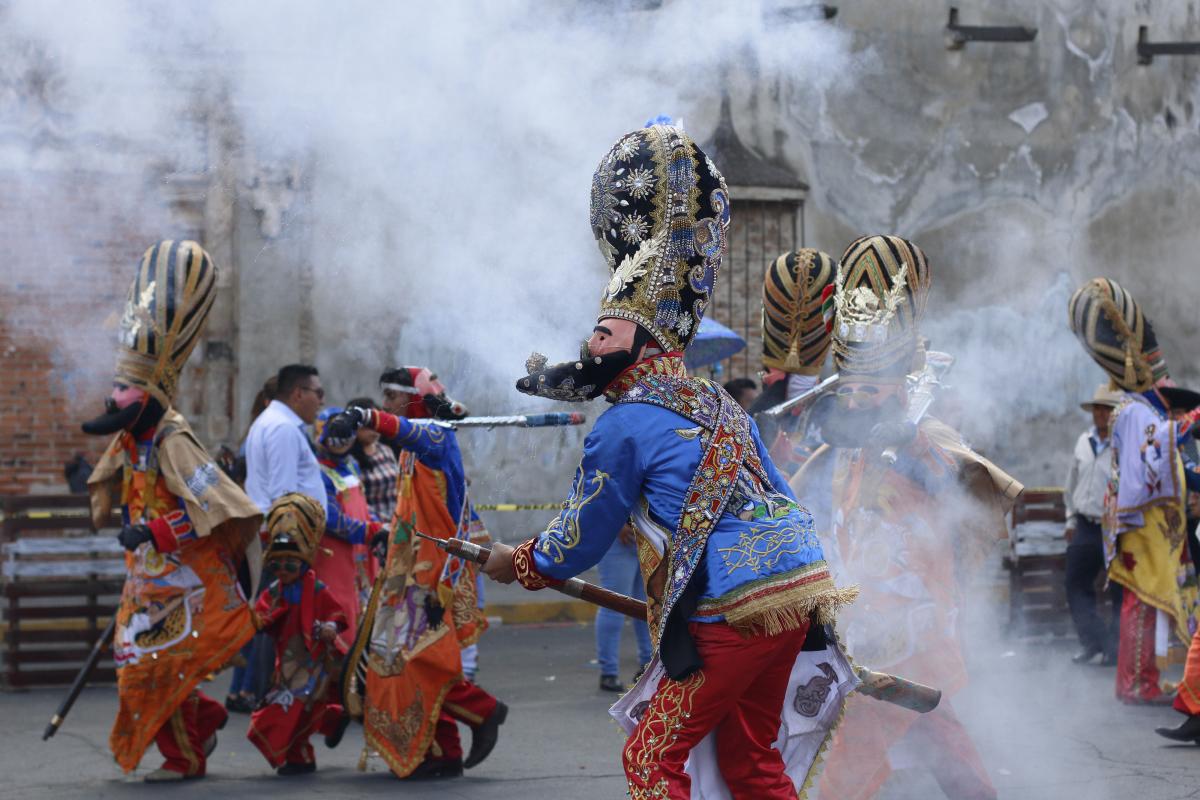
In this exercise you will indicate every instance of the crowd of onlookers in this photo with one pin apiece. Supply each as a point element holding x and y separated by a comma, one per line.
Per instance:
<point>277,457</point>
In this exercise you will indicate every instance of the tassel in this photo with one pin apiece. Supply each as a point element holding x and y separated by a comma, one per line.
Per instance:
<point>362,759</point>
<point>792,362</point>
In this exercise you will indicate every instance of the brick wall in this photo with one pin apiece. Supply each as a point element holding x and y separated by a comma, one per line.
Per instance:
<point>71,240</point>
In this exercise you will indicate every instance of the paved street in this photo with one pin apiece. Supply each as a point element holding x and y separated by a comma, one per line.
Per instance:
<point>1048,730</point>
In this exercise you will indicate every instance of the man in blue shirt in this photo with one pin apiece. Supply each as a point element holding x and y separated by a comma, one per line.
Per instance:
<point>279,457</point>
<point>735,578</point>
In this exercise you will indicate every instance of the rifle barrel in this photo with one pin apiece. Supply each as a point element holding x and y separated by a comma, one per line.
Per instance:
<point>800,399</point>
<point>93,658</point>
<point>550,420</point>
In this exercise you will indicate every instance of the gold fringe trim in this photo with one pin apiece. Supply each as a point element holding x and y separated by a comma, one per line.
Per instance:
<point>788,610</point>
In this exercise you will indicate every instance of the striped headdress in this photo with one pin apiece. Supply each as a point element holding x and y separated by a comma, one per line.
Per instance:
<point>1115,332</point>
<point>295,525</point>
<point>881,290</point>
<point>164,316</point>
<point>795,338</point>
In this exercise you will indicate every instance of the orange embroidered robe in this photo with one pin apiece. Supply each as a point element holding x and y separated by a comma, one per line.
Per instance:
<point>182,614</point>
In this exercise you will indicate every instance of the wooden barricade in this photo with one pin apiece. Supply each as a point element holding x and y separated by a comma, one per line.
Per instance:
<point>1037,563</point>
<point>59,588</point>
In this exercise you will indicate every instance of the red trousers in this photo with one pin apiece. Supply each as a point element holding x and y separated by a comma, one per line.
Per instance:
<point>182,737</point>
<point>465,703</point>
<point>281,734</point>
<point>739,692</point>
<point>1137,671</point>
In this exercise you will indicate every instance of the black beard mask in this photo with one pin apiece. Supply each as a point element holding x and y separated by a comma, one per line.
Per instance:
<point>574,381</point>
<point>441,407</point>
<point>867,427</point>
<point>582,380</point>
<point>137,418</point>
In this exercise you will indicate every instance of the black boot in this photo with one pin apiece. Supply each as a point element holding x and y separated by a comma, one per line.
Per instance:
<point>296,769</point>
<point>334,737</point>
<point>483,738</point>
<point>611,683</point>
<point>1189,731</point>
<point>435,768</point>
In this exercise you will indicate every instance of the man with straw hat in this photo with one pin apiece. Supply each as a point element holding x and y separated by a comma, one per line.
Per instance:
<point>1083,494</point>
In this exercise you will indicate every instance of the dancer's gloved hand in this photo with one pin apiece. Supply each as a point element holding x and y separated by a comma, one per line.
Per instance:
<point>132,536</point>
<point>381,539</point>
<point>893,433</point>
<point>345,424</point>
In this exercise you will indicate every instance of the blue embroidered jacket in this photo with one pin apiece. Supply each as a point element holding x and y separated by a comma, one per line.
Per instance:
<point>435,446</point>
<point>720,536</point>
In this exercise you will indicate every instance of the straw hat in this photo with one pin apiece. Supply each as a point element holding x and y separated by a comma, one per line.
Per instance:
<point>1104,396</point>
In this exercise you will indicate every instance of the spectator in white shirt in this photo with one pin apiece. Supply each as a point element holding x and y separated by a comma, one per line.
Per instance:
<point>1087,481</point>
<point>279,456</point>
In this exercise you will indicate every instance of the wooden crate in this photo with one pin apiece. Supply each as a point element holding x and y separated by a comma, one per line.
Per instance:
<point>59,589</point>
<point>1037,564</point>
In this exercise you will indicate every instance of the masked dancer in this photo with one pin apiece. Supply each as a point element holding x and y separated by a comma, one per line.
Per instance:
<point>1144,529</point>
<point>915,512</point>
<point>185,525</point>
<point>735,578</point>
<point>424,608</point>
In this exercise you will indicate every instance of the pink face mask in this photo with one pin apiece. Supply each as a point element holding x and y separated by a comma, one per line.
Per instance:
<point>425,382</point>
<point>122,409</point>
<point>124,396</point>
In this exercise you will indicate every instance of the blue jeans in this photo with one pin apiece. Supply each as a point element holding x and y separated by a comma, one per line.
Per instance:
<point>243,677</point>
<point>620,572</point>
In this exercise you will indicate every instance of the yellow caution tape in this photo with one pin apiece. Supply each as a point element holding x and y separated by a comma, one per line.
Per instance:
<point>518,506</point>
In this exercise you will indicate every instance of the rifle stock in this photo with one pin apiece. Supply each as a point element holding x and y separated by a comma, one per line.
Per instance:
<point>879,685</point>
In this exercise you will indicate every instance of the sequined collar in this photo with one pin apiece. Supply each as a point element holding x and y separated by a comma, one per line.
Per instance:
<point>666,364</point>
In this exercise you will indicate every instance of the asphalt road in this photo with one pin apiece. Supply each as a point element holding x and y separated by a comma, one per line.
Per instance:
<point>1047,730</point>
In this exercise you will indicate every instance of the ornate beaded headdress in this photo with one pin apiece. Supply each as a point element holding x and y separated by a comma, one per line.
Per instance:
<point>1116,334</point>
<point>795,337</point>
<point>660,212</point>
<point>295,525</point>
<point>881,290</point>
<point>165,314</point>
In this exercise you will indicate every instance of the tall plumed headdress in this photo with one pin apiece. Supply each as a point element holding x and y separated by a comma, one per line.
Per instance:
<point>880,293</point>
<point>165,314</point>
<point>1115,332</point>
<point>795,337</point>
<point>295,525</point>
<point>660,212</point>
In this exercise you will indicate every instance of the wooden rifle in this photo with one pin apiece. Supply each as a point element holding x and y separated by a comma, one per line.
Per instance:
<point>879,685</point>
<point>85,671</point>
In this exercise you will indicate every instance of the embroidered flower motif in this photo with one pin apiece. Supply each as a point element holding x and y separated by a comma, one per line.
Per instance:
<point>627,148</point>
<point>634,228</point>
<point>635,266</point>
<point>640,183</point>
<point>684,325</point>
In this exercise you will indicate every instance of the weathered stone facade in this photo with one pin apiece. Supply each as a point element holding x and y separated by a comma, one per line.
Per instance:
<point>1022,169</point>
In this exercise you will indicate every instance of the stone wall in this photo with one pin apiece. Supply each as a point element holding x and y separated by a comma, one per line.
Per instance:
<point>1022,169</point>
